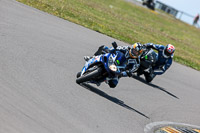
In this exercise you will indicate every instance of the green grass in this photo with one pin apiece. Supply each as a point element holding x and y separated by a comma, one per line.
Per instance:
<point>129,23</point>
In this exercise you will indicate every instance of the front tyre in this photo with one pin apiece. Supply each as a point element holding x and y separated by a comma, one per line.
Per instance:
<point>88,76</point>
<point>149,77</point>
<point>78,74</point>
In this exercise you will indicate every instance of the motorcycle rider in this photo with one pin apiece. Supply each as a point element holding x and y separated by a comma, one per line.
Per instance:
<point>163,60</point>
<point>132,55</point>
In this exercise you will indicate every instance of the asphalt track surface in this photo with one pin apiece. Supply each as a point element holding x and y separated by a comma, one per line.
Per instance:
<point>40,55</point>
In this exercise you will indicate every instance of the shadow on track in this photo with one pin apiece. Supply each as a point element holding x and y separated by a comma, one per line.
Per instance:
<point>154,86</point>
<point>112,99</point>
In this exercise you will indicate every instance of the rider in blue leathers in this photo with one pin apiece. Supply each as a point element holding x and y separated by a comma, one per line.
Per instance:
<point>132,55</point>
<point>163,60</point>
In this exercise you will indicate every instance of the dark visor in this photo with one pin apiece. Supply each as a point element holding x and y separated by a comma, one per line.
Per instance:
<point>134,52</point>
<point>167,53</point>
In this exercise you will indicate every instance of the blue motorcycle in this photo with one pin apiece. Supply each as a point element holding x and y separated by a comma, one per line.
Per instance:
<point>103,67</point>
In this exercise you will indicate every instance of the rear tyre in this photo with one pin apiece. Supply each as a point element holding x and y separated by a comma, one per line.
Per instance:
<point>88,76</point>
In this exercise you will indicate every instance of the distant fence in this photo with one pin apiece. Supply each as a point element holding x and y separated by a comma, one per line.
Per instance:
<point>185,16</point>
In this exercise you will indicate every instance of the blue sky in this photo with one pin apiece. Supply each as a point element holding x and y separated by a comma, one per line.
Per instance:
<point>191,7</point>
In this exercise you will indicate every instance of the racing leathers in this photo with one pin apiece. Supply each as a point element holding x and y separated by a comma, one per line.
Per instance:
<point>131,64</point>
<point>162,62</point>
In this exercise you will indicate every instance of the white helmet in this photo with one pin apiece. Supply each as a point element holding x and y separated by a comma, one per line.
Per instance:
<point>168,51</point>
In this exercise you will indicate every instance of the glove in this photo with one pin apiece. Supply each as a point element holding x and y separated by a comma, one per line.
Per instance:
<point>147,46</point>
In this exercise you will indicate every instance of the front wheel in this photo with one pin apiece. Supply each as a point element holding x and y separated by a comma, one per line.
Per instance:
<point>149,77</point>
<point>78,74</point>
<point>88,76</point>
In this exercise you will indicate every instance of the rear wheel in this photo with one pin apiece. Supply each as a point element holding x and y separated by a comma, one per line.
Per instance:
<point>88,76</point>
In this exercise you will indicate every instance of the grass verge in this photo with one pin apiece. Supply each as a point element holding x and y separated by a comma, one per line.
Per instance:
<point>129,23</point>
